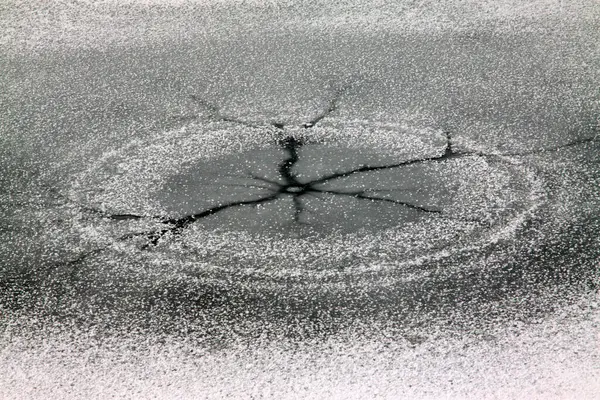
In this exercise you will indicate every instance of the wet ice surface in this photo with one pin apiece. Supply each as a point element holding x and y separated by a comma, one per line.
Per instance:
<point>414,207</point>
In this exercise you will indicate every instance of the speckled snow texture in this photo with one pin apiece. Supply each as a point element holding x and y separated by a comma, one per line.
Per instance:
<point>101,115</point>
<point>558,358</point>
<point>36,25</point>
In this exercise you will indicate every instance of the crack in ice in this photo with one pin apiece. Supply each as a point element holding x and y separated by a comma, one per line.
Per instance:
<point>292,186</point>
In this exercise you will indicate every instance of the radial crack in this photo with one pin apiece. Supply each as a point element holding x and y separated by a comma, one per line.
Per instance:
<point>402,189</point>
<point>177,225</point>
<point>371,168</point>
<point>361,195</point>
<point>253,186</point>
<point>118,217</point>
<point>448,153</point>
<point>108,215</point>
<point>291,145</point>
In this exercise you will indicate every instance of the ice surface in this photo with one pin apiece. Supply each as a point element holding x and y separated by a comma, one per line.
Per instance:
<point>217,198</point>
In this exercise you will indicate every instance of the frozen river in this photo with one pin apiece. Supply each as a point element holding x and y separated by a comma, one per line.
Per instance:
<point>273,200</point>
